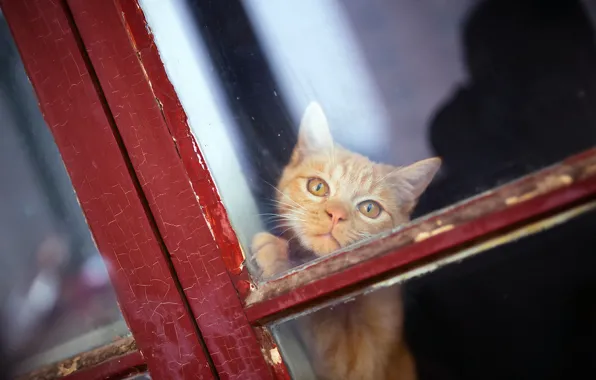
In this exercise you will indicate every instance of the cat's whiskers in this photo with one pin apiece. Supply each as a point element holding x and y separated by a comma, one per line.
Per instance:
<point>274,215</point>
<point>286,230</point>
<point>273,218</point>
<point>289,223</point>
<point>284,218</point>
<point>285,195</point>
<point>288,205</point>
<point>283,222</point>
<point>285,208</point>
<point>359,236</point>
<point>269,214</point>
<point>292,238</point>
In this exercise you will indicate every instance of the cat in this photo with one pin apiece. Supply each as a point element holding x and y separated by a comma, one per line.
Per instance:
<point>329,198</point>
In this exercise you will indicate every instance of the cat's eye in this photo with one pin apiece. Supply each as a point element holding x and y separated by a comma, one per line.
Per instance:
<point>370,209</point>
<point>318,187</point>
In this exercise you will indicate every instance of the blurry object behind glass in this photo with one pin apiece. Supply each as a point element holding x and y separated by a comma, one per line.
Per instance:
<point>55,296</point>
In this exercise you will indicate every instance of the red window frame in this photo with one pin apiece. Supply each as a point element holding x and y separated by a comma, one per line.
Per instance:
<point>107,56</point>
<point>111,199</point>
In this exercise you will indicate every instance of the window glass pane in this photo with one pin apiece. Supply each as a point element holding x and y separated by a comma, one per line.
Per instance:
<point>55,296</point>
<point>497,89</point>
<point>522,310</point>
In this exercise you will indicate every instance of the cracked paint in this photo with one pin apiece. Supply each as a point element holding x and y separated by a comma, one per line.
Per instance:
<point>125,237</point>
<point>179,190</point>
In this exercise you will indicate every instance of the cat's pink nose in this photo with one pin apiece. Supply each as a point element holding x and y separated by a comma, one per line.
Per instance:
<point>336,212</point>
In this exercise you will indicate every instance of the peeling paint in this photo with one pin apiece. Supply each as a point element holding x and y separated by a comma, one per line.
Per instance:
<point>425,235</point>
<point>275,356</point>
<point>509,237</point>
<point>209,221</point>
<point>271,353</point>
<point>124,350</point>
<point>66,369</point>
<point>547,184</point>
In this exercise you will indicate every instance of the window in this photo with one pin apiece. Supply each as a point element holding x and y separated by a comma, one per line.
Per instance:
<point>199,108</point>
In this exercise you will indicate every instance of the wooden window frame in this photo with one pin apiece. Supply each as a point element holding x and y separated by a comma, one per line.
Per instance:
<point>112,201</point>
<point>154,157</point>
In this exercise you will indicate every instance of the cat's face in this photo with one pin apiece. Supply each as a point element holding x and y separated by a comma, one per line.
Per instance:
<point>330,197</point>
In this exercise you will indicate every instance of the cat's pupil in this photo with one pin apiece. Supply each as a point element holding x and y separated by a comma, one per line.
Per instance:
<point>319,186</point>
<point>369,207</point>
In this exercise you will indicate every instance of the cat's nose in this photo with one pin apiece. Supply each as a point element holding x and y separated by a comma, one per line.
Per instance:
<point>336,212</point>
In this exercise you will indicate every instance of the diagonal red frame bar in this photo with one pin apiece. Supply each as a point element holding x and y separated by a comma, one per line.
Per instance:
<point>183,218</point>
<point>74,110</point>
<point>187,147</point>
<point>560,186</point>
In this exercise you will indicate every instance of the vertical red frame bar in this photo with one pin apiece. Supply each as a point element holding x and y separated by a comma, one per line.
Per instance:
<point>180,192</point>
<point>75,111</point>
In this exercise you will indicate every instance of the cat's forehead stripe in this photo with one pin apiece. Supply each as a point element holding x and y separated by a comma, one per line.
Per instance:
<point>358,174</point>
<point>337,171</point>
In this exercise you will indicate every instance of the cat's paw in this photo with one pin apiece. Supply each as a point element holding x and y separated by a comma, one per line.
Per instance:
<point>271,253</point>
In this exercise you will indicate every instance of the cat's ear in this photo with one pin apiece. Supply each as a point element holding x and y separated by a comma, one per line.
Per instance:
<point>314,134</point>
<point>412,180</point>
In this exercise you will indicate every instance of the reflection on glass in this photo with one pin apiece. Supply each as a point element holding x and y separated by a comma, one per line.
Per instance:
<point>522,310</point>
<point>496,88</point>
<point>55,296</point>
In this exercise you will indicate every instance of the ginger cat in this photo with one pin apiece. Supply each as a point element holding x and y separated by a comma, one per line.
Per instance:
<point>329,198</point>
